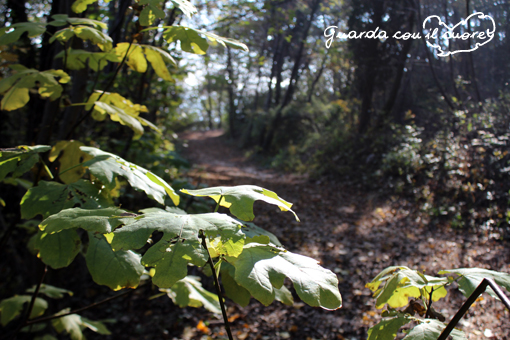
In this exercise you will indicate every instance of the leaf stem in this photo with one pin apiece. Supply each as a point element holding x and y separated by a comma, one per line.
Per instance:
<point>217,285</point>
<point>218,204</point>
<point>427,314</point>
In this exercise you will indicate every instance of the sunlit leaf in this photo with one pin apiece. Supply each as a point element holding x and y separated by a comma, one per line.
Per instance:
<point>180,243</point>
<point>472,277</point>
<point>189,292</point>
<point>81,5</point>
<point>261,268</point>
<point>106,167</point>
<point>138,55</point>
<point>387,329</point>
<point>400,283</point>
<point>239,199</point>
<point>64,19</point>
<point>186,7</point>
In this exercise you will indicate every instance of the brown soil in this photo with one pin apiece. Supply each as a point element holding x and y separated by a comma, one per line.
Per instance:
<point>356,234</point>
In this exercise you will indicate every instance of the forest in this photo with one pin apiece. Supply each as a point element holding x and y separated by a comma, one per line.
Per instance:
<point>170,168</point>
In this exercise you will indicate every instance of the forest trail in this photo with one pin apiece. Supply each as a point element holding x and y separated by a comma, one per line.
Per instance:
<point>354,233</point>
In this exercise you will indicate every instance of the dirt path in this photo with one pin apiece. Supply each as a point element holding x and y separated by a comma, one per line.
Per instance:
<point>355,234</point>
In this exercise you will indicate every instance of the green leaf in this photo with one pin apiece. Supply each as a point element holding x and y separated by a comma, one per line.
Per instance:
<point>189,292</point>
<point>150,12</point>
<point>102,221</point>
<point>284,296</point>
<point>70,157</point>
<point>13,306</point>
<point>51,291</point>
<point>472,277</point>
<point>20,159</point>
<point>115,269</point>
<point>15,88</point>
<point>56,250</point>
<point>92,34</point>
<point>233,290</point>
<point>400,283</point>
<point>49,198</point>
<point>13,33</point>
<point>192,41</point>
<point>430,329</point>
<point>387,329</point>
<point>240,199</point>
<point>261,268</point>
<point>251,231</point>
<point>106,167</point>
<point>180,243</point>
<point>79,59</point>
<point>64,19</point>
<point>74,325</point>
<point>80,6</point>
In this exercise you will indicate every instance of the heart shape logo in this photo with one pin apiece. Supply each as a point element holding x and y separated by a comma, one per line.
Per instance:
<point>441,42</point>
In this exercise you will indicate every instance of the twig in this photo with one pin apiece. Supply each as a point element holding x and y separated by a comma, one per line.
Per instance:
<point>104,91</point>
<point>427,314</point>
<point>218,204</point>
<point>217,285</point>
<point>56,316</point>
<point>31,305</point>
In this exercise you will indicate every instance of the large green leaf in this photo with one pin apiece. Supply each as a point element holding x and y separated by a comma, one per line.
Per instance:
<point>13,33</point>
<point>253,231</point>
<point>74,325</point>
<point>106,167</point>
<point>13,306</point>
<point>431,329</point>
<point>233,290</point>
<point>56,250</point>
<point>150,12</point>
<point>20,159</point>
<point>387,329</point>
<point>49,198</point>
<point>189,292</point>
<point>115,269</point>
<point>15,88</point>
<point>101,221</point>
<point>400,283</point>
<point>240,199</point>
<point>472,277</point>
<point>192,41</point>
<point>79,59</point>
<point>180,243</point>
<point>138,55</point>
<point>261,268</point>
<point>92,34</point>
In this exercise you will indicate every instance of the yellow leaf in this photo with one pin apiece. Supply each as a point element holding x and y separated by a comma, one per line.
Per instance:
<point>15,98</point>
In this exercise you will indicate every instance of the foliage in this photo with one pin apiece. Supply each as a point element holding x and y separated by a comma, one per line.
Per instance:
<point>395,285</point>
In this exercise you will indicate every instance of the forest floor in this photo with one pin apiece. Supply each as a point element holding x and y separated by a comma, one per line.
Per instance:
<point>356,234</point>
<point>352,232</point>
